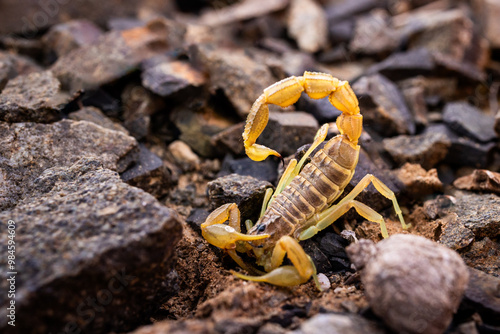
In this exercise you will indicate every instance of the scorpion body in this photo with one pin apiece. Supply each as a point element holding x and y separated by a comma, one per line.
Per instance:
<point>302,202</point>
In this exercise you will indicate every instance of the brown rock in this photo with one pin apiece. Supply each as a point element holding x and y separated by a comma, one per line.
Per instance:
<point>480,180</point>
<point>307,24</point>
<point>12,65</point>
<point>116,54</point>
<point>339,323</point>
<point>468,120</point>
<point>484,255</point>
<point>488,11</point>
<point>415,99</point>
<point>372,34</point>
<point>454,234</point>
<point>426,149</point>
<point>94,115</point>
<point>418,181</point>
<point>397,271</point>
<point>36,97</point>
<point>30,148</point>
<point>482,294</point>
<point>231,139</point>
<point>178,327</point>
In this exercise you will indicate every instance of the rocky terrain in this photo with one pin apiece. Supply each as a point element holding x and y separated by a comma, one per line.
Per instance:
<point>120,132</point>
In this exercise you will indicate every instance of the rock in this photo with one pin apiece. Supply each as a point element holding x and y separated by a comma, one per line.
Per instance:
<point>405,65</point>
<point>438,207</point>
<point>372,34</point>
<point>383,105</point>
<point>30,148</point>
<point>12,65</point>
<point>339,323</point>
<point>348,9</point>
<point>488,11</point>
<point>266,170</point>
<point>415,99</point>
<point>196,218</point>
<point>35,97</point>
<point>115,54</point>
<point>178,327</point>
<point>479,180</point>
<point>139,105</point>
<point>480,213</point>
<point>183,155</point>
<point>321,109</point>
<point>462,151</point>
<point>395,281</point>
<point>241,79</point>
<point>484,255</point>
<point>169,77</point>
<point>426,149</point>
<point>469,121</point>
<point>341,32</point>
<point>94,115</point>
<point>241,11</point>
<point>149,173</point>
<point>308,25</point>
<point>231,139</point>
<point>454,234</point>
<point>65,37</point>
<point>247,192</point>
<point>482,295</point>
<point>419,182</point>
<point>98,248</point>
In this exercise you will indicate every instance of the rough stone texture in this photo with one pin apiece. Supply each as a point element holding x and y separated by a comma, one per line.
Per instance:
<point>247,192</point>
<point>115,54</point>
<point>94,115</point>
<point>242,79</point>
<point>488,11</point>
<point>35,97</point>
<point>231,139</point>
<point>383,105</point>
<point>479,180</point>
<point>86,238</point>
<point>65,37</point>
<point>454,234</point>
<point>308,25</point>
<point>339,323</point>
<point>425,149</point>
<point>139,104</point>
<point>372,34</point>
<point>27,149</point>
<point>178,327</point>
<point>415,99</point>
<point>167,78</point>
<point>469,121</point>
<point>419,182</point>
<point>482,295</point>
<point>397,274</point>
<point>12,65</point>
<point>484,255</point>
<point>149,173</point>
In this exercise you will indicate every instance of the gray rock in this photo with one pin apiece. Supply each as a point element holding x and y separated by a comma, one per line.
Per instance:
<point>12,65</point>
<point>373,35</point>
<point>405,64</point>
<point>484,255</point>
<point>454,234</point>
<point>115,54</point>
<point>94,115</point>
<point>231,139</point>
<point>348,9</point>
<point>149,173</point>
<point>139,105</point>
<point>247,192</point>
<point>27,149</point>
<point>383,105</point>
<point>65,37</point>
<point>35,97</point>
<point>469,121</point>
<point>398,273</point>
<point>308,25</point>
<point>321,109</point>
<point>95,252</point>
<point>488,11</point>
<point>339,323</point>
<point>482,294</point>
<point>170,77</point>
<point>426,149</point>
<point>266,170</point>
<point>415,99</point>
<point>242,79</point>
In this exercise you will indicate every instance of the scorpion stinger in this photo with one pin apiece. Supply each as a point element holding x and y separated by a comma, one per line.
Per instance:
<point>303,202</point>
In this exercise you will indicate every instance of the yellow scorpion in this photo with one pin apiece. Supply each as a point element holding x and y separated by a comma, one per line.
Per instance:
<point>301,205</point>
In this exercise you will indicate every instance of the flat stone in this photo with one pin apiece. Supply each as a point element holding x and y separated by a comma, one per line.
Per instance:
<point>308,25</point>
<point>480,180</point>
<point>170,77</point>
<point>373,35</point>
<point>383,105</point>
<point>241,78</point>
<point>266,170</point>
<point>35,97</point>
<point>287,131</point>
<point>27,149</point>
<point>426,149</point>
<point>12,65</point>
<point>339,323</point>
<point>116,54</point>
<point>454,234</point>
<point>149,173</point>
<point>469,121</point>
<point>88,239</point>
<point>231,139</point>
<point>482,294</point>
<point>94,115</point>
<point>419,182</point>
<point>65,37</point>
<point>247,192</point>
<point>349,9</point>
<point>405,64</point>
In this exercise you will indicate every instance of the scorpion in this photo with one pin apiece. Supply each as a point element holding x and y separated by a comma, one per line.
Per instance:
<point>302,203</point>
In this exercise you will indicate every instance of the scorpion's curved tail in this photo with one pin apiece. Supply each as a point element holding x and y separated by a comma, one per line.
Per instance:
<point>287,92</point>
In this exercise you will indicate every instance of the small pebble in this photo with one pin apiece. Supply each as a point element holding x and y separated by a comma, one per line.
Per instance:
<point>324,282</point>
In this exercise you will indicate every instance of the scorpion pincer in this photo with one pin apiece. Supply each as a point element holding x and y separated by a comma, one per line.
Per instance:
<point>302,204</point>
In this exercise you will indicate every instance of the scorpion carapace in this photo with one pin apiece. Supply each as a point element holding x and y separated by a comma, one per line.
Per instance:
<point>302,204</point>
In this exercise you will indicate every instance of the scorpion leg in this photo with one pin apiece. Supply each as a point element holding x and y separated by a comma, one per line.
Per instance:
<point>303,267</point>
<point>333,213</point>
<point>226,236</point>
